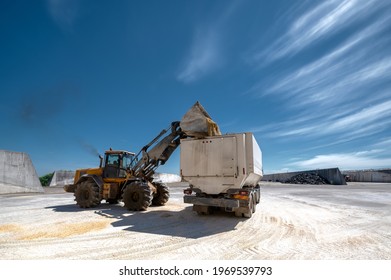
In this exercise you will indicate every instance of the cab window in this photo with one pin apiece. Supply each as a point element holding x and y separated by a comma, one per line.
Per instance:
<point>127,161</point>
<point>112,160</point>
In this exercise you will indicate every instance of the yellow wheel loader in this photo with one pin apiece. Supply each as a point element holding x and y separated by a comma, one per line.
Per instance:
<point>125,176</point>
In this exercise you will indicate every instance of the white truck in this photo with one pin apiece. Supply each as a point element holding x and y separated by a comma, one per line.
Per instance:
<point>223,172</point>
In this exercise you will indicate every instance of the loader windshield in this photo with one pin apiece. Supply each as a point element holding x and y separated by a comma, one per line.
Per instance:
<point>112,159</point>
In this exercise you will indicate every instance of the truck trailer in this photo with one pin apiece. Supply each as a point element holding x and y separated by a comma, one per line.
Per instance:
<point>223,172</point>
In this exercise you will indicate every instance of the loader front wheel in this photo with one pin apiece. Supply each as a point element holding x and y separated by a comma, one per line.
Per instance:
<point>87,194</point>
<point>137,196</point>
<point>162,194</point>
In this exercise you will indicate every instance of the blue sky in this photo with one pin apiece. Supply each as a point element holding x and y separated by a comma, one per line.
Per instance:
<point>311,79</point>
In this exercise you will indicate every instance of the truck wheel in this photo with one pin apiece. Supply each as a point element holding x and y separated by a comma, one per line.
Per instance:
<point>207,211</point>
<point>254,202</point>
<point>87,194</point>
<point>238,214</point>
<point>257,194</point>
<point>162,195</point>
<point>202,209</point>
<point>137,196</point>
<point>250,209</point>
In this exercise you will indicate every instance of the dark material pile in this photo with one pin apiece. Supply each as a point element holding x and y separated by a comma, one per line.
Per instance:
<point>307,178</point>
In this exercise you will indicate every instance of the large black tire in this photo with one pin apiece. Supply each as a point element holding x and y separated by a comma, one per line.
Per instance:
<point>137,196</point>
<point>87,194</point>
<point>162,194</point>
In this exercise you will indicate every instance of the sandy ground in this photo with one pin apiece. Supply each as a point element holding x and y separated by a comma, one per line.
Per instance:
<point>291,222</point>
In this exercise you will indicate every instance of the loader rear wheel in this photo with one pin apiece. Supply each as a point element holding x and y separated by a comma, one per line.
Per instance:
<point>137,196</point>
<point>162,194</point>
<point>87,194</point>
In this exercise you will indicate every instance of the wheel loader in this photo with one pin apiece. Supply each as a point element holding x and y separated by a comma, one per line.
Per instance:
<point>127,176</point>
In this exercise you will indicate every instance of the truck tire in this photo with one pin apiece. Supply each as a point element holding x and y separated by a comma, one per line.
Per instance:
<point>254,202</point>
<point>137,196</point>
<point>162,194</point>
<point>203,210</point>
<point>257,195</point>
<point>238,214</point>
<point>250,209</point>
<point>87,194</point>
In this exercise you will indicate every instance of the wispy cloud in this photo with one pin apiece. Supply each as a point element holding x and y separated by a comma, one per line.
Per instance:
<point>356,124</point>
<point>204,56</point>
<point>346,91</point>
<point>364,118</point>
<point>206,52</point>
<point>330,72</point>
<point>319,22</point>
<point>63,12</point>
<point>384,144</point>
<point>340,63</point>
<point>377,155</point>
<point>357,160</point>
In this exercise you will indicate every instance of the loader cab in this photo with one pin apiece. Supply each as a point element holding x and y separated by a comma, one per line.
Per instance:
<point>116,163</point>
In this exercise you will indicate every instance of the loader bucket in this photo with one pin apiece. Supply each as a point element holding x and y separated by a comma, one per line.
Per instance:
<point>197,123</point>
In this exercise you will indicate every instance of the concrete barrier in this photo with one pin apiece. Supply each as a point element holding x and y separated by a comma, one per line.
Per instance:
<point>374,176</point>
<point>62,178</point>
<point>17,173</point>
<point>333,175</point>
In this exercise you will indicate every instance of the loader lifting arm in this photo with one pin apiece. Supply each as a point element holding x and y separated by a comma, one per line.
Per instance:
<point>158,151</point>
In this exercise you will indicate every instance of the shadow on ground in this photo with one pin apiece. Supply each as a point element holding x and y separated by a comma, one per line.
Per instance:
<point>66,208</point>
<point>183,223</point>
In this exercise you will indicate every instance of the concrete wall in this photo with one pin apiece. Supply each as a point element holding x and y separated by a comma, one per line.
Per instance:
<point>376,176</point>
<point>333,175</point>
<point>17,173</point>
<point>62,178</point>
